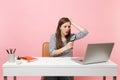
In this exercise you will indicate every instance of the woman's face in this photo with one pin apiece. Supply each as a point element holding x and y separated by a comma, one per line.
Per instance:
<point>65,28</point>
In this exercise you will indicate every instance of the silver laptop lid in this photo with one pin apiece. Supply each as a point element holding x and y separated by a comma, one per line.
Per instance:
<point>98,52</point>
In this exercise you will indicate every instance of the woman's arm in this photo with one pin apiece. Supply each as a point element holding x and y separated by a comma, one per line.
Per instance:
<point>77,26</point>
<point>66,47</point>
<point>83,32</point>
<point>52,46</point>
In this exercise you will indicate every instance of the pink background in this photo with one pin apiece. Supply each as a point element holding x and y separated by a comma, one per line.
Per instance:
<point>26,24</point>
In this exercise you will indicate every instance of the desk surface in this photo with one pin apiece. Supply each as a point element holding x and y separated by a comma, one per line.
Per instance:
<point>58,66</point>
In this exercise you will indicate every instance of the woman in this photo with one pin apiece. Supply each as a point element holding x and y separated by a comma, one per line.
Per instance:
<point>61,43</point>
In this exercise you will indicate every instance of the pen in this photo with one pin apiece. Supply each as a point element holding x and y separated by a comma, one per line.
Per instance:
<point>14,50</point>
<point>10,50</point>
<point>7,51</point>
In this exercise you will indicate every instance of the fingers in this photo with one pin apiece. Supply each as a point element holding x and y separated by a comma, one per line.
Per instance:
<point>70,20</point>
<point>70,45</point>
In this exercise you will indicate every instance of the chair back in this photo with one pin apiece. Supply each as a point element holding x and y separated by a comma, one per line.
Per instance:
<point>45,49</point>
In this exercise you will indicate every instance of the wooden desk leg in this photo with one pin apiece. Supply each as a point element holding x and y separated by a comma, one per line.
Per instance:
<point>114,78</point>
<point>15,78</point>
<point>5,77</point>
<point>104,77</point>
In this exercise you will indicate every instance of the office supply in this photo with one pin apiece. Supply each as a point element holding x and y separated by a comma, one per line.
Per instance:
<point>11,51</point>
<point>7,51</point>
<point>11,58</point>
<point>28,58</point>
<point>96,53</point>
<point>11,55</point>
<point>59,66</point>
<point>14,50</point>
<point>18,60</point>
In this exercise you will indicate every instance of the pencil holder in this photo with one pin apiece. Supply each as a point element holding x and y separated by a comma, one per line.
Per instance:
<point>11,58</point>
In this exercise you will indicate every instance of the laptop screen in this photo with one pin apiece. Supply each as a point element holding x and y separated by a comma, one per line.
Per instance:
<point>98,52</point>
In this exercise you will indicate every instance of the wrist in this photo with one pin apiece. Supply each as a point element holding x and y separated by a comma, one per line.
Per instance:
<point>64,48</point>
<point>73,24</point>
<point>59,51</point>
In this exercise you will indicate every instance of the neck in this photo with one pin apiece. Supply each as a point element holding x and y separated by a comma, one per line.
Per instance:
<point>63,36</point>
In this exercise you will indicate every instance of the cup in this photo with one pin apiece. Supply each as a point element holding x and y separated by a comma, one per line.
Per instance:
<point>11,58</point>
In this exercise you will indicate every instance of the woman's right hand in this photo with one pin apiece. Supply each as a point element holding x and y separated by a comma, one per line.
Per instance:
<point>70,20</point>
<point>69,45</point>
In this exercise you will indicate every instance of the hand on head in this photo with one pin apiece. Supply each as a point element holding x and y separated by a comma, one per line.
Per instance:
<point>70,19</point>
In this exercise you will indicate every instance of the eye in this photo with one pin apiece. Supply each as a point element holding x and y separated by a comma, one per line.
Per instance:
<point>68,26</point>
<point>65,26</point>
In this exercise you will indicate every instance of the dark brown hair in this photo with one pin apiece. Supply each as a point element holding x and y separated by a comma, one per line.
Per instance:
<point>59,43</point>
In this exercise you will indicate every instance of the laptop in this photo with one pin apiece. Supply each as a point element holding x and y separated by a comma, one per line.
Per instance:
<point>96,53</point>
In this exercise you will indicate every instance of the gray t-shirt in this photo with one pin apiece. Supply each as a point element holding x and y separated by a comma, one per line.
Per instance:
<point>67,53</point>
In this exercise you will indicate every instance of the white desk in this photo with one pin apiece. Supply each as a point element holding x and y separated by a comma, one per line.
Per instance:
<point>57,66</point>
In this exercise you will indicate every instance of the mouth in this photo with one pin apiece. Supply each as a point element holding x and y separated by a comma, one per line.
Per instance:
<point>67,32</point>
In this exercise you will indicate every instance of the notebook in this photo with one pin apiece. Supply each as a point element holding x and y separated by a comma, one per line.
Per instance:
<point>28,58</point>
<point>96,53</point>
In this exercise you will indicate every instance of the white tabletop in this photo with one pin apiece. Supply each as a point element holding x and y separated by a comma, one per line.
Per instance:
<point>53,65</point>
<point>57,62</point>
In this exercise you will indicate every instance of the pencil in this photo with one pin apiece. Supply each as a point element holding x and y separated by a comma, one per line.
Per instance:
<point>14,50</point>
<point>7,51</point>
